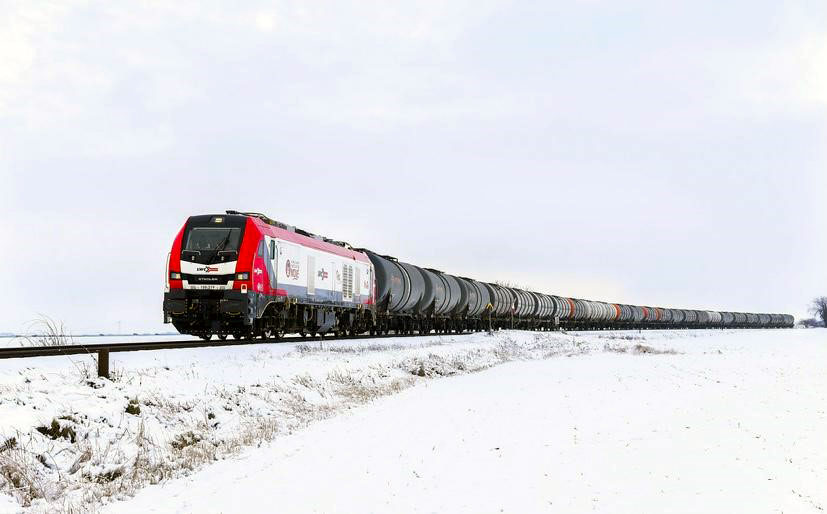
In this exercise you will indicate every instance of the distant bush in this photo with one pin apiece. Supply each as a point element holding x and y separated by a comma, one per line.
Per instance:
<point>819,309</point>
<point>810,323</point>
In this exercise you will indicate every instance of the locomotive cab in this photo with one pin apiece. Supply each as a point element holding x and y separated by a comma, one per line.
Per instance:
<point>207,287</point>
<point>208,242</point>
<point>247,275</point>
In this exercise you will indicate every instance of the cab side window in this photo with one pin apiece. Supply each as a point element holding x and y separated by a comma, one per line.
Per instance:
<point>268,260</point>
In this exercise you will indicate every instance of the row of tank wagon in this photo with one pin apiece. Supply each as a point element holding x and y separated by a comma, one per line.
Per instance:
<point>409,297</point>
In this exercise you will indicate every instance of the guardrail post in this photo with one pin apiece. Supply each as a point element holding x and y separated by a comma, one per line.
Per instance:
<point>103,363</point>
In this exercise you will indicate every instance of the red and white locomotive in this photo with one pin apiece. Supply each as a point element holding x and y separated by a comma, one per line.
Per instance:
<point>246,275</point>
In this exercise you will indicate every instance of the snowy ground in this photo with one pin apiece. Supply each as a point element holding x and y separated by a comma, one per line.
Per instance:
<point>723,421</point>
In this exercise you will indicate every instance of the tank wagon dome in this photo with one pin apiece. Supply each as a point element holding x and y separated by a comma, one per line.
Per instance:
<point>417,288</point>
<point>426,304</point>
<point>546,306</point>
<point>500,298</point>
<point>478,296</point>
<point>462,304</point>
<point>447,292</point>
<point>393,282</point>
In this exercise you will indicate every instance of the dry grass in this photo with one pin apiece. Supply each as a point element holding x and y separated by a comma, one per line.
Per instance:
<point>47,332</point>
<point>638,349</point>
<point>358,349</point>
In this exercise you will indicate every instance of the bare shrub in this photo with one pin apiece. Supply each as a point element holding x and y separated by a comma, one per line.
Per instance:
<point>305,349</point>
<point>8,444</point>
<point>57,431</point>
<point>18,470</point>
<point>621,336</point>
<point>638,349</point>
<point>614,348</point>
<point>133,407</point>
<point>644,349</point>
<point>188,438</point>
<point>47,332</point>
<point>304,380</point>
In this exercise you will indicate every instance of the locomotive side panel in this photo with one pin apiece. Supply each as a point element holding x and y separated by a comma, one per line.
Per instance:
<point>316,276</point>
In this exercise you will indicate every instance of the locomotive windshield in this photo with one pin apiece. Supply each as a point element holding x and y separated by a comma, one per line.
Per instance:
<point>212,239</point>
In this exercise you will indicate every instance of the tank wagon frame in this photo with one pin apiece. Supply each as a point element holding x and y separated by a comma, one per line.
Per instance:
<point>246,275</point>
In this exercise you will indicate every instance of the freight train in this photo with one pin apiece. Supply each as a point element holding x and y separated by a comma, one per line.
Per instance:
<point>245,275</point>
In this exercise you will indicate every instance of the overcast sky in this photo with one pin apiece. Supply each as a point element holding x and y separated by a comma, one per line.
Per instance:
<point>648,152</point>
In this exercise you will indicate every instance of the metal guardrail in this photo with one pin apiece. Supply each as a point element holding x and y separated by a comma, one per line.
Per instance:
<point>104,349</point>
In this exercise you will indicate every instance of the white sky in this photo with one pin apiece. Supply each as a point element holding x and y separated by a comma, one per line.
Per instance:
<point>659,153</point>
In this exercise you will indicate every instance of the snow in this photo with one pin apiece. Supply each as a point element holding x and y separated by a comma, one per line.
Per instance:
<point>723,421</point>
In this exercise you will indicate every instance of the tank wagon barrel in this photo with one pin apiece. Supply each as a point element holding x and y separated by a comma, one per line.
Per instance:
<point>247,275</point>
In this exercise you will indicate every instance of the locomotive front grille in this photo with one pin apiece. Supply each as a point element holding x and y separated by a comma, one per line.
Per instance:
<point>217,280</point>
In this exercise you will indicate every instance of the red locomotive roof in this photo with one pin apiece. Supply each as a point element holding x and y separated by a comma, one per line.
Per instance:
<point>293,237</point>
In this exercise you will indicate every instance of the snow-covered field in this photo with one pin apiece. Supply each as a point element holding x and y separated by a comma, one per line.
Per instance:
<point>682,421</point>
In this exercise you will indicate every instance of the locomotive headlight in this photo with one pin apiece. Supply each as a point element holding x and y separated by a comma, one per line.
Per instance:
<point>174,275</point>
<point>242,276</point>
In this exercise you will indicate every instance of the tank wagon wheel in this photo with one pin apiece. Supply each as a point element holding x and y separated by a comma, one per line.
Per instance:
<point>273,333</point>
<point>206,337</point>
<point>222,337</point>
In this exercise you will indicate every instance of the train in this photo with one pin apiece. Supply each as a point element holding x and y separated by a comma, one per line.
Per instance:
<point>245,275</point>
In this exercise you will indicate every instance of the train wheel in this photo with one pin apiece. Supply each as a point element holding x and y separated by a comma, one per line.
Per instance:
<point>206,337</point>
<point>222,337</point>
